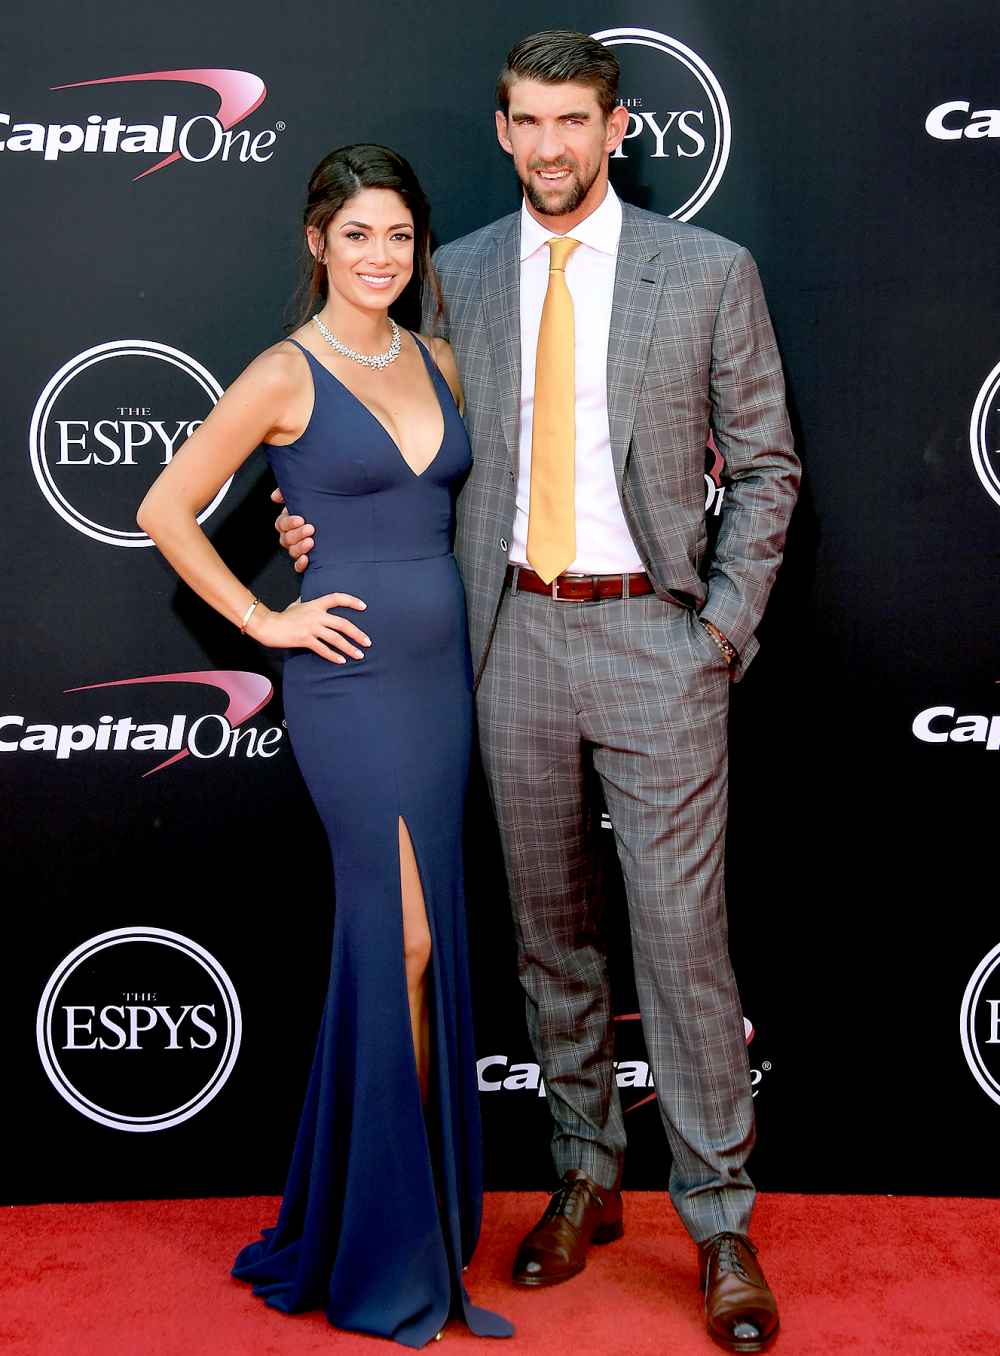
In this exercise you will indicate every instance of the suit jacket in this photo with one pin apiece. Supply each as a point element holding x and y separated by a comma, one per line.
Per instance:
<point>691,349</point>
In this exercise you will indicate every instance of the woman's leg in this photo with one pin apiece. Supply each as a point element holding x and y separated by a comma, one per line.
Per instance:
<point>417,954</point>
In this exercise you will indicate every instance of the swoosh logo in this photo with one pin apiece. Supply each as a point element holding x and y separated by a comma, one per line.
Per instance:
<point>718,460</point>
<point>240,92</point>
<point>247,693</point>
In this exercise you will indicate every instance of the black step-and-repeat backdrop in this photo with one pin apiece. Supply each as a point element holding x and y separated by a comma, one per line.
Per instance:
<point>168,900</point>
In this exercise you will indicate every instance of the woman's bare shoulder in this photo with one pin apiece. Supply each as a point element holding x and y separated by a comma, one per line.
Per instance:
<point>443,354</point>
<point>439,347</point>
<point>280,369</point>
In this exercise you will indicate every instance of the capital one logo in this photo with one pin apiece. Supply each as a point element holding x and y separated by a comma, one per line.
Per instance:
<point>677,113</point>
<point>944,725</point>
<point>206,136</point>
<point>980,1024</point>
<point>984,434</point>
<point>178,734</point>
<point>138,1029</point>
<point>956,120</point>
<point>498,1073</point>
<point>107,423</point>
<point>715,469</point>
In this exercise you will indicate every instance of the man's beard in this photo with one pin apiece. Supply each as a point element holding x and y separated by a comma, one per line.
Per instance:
<point>572,197</point>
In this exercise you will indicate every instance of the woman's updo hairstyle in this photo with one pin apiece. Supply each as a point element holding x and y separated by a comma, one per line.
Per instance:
<point>337,178</point>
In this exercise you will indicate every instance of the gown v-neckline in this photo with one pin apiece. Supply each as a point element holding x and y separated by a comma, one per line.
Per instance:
<point>417,475</point>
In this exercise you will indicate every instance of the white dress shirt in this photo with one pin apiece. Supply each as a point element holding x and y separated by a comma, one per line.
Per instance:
<point>603,542</point>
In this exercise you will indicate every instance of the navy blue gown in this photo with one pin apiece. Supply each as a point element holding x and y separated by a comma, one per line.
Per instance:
<point>383,1202</point>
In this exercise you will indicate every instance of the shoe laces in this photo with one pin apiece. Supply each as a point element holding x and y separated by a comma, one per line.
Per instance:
<point>728,1250</point>
<point>564,1200</point>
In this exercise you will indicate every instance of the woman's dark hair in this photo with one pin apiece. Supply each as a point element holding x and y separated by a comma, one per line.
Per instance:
<point>336,179</point>
<point>561,56</point>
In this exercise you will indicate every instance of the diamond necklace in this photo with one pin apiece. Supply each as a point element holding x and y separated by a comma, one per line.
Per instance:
<point>378,360</point>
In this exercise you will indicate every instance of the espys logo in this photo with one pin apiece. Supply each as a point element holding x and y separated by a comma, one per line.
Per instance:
<point>984,434</point>
<point>677,112</point>
<point>496,1073</point>
<point>207,736</point>
<point>955,121</point>
<point>139,1029</point>
<point>107,423</point>
<point>206,136</point>
<point>980,1024</point>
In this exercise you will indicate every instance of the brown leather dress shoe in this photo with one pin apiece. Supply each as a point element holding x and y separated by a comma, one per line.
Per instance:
<point>740,1311</point>
<point>578,1214</point>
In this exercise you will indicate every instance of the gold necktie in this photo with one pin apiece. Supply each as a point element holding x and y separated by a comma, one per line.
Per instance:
<point>552,506</point>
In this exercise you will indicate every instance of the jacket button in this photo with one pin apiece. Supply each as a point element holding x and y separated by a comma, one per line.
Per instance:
<point>504,544</point>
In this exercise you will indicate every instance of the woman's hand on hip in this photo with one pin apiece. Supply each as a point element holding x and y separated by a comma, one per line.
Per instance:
<point>311,626</point>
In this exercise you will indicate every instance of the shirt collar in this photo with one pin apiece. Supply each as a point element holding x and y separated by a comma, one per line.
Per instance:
<point>600,230</point>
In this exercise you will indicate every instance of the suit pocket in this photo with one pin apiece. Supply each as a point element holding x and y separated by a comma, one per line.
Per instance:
<point>705,645</point>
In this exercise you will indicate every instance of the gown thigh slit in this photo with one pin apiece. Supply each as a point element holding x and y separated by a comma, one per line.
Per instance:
<point>383,1200</point>
<point>416,936</point>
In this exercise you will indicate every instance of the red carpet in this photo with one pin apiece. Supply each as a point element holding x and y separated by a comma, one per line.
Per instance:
<point>853,1274</point>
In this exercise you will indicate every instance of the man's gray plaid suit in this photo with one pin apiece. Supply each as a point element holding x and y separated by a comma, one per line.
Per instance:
<point>637,686</point>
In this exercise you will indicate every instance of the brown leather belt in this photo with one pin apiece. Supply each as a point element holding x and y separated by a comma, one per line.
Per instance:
<point>579,588</point>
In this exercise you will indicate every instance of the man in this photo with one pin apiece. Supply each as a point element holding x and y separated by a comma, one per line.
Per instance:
<point>594,369</point>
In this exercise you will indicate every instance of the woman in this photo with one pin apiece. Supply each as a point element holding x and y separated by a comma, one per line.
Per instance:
<point>360,425</point>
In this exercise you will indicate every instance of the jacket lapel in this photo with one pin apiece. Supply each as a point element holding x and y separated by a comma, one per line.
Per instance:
<point>501,278</point>
<point>638,283</point>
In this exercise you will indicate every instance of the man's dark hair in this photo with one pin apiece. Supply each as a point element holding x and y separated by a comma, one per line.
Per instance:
<point>557,57</point>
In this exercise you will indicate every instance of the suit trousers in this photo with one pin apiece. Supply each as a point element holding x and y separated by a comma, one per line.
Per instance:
<point>638,687</point>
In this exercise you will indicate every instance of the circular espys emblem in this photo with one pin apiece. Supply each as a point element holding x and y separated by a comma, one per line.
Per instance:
<point>139,1028</point>
<point>980,1024</point>
<point>677,113</point>
<point>984,435</point>
<point>107,423</point>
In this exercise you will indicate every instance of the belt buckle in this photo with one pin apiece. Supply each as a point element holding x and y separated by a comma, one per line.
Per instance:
<point>559,598</point>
